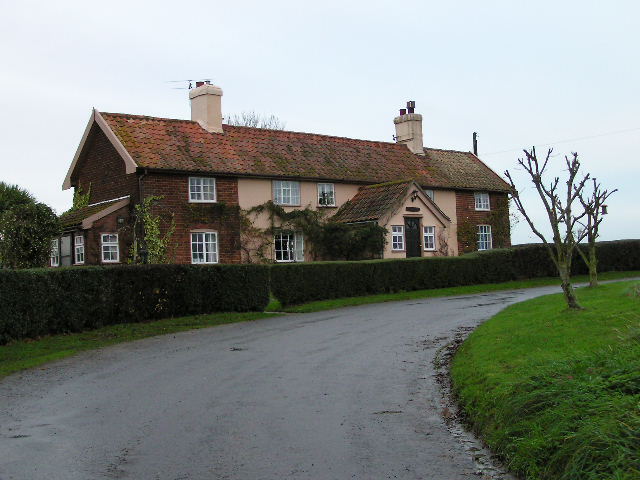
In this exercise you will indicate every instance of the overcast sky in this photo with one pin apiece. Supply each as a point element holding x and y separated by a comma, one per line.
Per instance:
<point>519,73</point>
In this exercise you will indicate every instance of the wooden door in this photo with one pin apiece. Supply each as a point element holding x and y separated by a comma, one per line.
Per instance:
<point>412,229</point>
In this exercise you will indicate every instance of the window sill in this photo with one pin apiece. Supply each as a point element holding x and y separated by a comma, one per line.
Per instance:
<point>483,209</point>
<point>327,206</point>
<point>203,201</point>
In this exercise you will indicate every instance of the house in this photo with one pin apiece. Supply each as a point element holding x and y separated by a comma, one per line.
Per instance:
<point>207,178</point>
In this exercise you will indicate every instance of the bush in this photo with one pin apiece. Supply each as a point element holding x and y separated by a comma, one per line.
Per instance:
<point>303,282</point>
<point>46,301</point>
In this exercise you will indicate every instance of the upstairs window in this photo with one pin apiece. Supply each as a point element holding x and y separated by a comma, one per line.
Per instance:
<point>202,189</point>
<point>55,253</point>
<point>326,195</point>
<point>397,237</point>
<point>110,248</point>
<point>482,200</point>
<point>431,194</point>
<point>286,192</point>
<point>429,238</point>
<point>289,247</point>
<point>485,239</point>
<point>204,247</point>
<point>78,249</point>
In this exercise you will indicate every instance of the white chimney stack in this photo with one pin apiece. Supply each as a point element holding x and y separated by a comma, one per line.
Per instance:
<point>206,106</point>
<point>409,128</point>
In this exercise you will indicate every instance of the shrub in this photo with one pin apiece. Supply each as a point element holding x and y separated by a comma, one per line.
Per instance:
<point>304,282</point>
<point>45,301</point>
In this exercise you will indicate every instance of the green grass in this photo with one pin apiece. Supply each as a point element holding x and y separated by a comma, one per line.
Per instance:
<point>32,353</point>
<point>275,306</point>
<point>556,393</point>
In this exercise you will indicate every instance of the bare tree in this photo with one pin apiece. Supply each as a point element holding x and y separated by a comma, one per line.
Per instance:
<point>560,212</point>
<point>593,204</point>
<point>255,120</point>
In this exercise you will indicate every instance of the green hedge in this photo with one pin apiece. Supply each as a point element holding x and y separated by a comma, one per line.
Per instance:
<point>45,301</point>
<point>304,282</point>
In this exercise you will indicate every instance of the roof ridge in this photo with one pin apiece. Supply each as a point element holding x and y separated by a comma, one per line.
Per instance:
<point>446,150</point>
<point>388,184</point>
<point>243,127</point>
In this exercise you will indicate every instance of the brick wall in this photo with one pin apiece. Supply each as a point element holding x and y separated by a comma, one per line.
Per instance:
<point>221,217</point>
<point>108,224</point>
<point>469,218</point>
<point>103,168</point>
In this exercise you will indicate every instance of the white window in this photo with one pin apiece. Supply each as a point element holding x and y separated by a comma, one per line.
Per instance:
<point>55,253</point>
<point>202,189</point>
<point>79,249</point>
<point>397,237</point>
<point>204,247</point>
<point>286,192</point>
<point>482,200</point>
<point>289,247</point>
<point>485,241</point>
<point>431,194</point>
<point>326,195</point>
<point>110,248</point>
<point>429,238</point>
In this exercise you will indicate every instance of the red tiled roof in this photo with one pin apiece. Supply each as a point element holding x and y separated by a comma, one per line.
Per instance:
<point>184,145</point>
<point>372,202</point>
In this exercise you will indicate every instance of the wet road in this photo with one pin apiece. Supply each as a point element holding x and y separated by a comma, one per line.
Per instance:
<point>343,394</point>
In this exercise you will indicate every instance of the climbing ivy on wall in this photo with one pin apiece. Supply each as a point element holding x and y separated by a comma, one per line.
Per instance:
<point>80,198</point>
<point>326,239</point>
<point>498,218</point>
<point>149,244</point>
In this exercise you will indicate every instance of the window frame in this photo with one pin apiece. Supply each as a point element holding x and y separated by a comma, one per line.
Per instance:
<point>479,200</point>
<point>110,244</point>
<point>201,185</point>
<point>400,234</point>
<point>431,235</point>
<point>215,253</point>
<point>55,253</point>
<point>78,248</point>
<point>333,194</point>
<point>431,193</point>
<point>277,187</point>
<point>487,240</point>
<point>295,254</point>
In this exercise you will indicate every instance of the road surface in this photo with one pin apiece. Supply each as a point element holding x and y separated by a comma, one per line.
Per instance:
<point>342,394</point>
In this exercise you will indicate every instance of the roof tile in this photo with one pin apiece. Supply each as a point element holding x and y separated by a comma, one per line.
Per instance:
<point>160,143</point>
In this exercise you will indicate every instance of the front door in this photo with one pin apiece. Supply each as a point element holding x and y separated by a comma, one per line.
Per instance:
<point>412,229</point>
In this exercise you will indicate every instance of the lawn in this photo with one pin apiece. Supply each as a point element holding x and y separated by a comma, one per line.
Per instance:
<point>32,353</point>
<point>556,393</point>
<point>320,305</point>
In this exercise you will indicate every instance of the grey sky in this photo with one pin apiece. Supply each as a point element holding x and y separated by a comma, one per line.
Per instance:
<point>518,73</point>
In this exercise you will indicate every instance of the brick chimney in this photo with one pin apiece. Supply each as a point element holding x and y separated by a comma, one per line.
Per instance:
<point>206,106</point>
<point>409,128</point>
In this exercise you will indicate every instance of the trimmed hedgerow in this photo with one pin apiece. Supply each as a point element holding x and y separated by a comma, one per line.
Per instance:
<point>45,301</point>
<point>304,282</point>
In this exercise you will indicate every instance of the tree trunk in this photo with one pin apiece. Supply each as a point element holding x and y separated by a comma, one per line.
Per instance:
<point>567,288</point>
<point>593,266</point>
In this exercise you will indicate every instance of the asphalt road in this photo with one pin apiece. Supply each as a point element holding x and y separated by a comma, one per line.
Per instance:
<point>343,394</point>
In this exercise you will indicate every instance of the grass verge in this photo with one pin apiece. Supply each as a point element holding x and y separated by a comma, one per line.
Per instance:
<point>32,353</point>
<point>556,393</point>
<point>275,306</point>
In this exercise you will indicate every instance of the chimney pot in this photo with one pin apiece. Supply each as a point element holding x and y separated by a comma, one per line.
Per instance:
<point>409,128</point>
